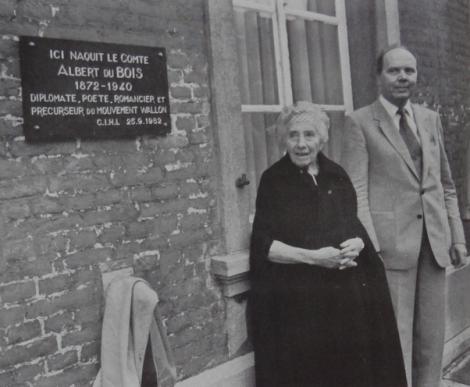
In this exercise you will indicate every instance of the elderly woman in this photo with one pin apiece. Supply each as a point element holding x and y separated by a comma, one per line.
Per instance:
<point>321,312</point>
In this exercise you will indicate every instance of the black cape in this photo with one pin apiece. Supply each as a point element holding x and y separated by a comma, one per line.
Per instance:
<point>313,326</point>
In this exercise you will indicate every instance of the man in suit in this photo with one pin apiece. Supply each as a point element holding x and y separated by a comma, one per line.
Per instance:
<point>394,153</point>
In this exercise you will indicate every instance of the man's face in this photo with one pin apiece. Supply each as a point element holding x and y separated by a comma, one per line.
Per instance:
<point>304,141</point>
<point>399,76</point>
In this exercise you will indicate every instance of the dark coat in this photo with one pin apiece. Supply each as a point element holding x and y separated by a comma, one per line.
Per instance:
<point>314,326</point>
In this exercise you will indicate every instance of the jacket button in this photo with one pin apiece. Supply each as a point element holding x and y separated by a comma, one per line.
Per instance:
<point>419,216</point>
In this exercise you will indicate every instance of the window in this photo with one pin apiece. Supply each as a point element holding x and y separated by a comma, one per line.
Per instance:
<point>289,50</point>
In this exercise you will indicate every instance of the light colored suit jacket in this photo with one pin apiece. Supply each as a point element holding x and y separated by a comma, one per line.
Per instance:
<point>393,202</point>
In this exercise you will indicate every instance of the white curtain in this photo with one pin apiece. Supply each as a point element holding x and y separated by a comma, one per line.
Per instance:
<point>315,74</point>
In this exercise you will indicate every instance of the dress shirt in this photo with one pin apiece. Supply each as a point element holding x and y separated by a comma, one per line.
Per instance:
<point>392,111</point>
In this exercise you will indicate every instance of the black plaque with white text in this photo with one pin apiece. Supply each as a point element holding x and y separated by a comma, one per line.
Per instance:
<point>75,89</point>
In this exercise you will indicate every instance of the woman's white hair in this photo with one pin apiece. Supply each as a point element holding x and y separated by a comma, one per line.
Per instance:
<point>302,111</point>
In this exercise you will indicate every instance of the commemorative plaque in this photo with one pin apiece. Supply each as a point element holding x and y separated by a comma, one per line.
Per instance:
<point>75,89</point>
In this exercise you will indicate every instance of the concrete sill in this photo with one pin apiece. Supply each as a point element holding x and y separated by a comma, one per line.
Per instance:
<point>232,272</point>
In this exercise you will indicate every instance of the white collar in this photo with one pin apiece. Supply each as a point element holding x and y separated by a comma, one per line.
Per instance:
<point>392,109</point>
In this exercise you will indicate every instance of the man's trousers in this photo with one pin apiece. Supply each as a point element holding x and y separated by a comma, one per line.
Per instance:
<point>418,297</point>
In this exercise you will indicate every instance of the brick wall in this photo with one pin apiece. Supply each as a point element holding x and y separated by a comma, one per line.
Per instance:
<point>70,211</point>
<point>438,30</point>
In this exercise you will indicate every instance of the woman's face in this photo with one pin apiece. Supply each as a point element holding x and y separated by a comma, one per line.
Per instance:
<point>303,142</point>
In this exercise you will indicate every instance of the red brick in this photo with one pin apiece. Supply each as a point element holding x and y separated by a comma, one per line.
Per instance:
<point>55,284</point>
<point>60,322</point>
<point>165,156</point>
<point>44,244</point>
<point>178,60</point>
<point>24,353</point>
<point>16,188</point>
<point>126,251</point>
<point>201,92</point>
<point>11,315</point>
<point>187,107</point>
<point>20,269</point>
<point>17,291</point>
<point>59,223</point>
<point>130,178</point>
<point>18,250</point>
<point>109,196</point>
<point>189,187</point>
<point>140,194</point>
<point>10,106</point>
<point>23,149</point>
<point>21,374</point>
<point>112,234</point>
<point>46,206</point>
<point>24,332</point>
<point>78,202</point>
<point>194,253</point>
<point>8,8</point>
<point>70,300</point>
<point>195,77</point>
<point>87,257</point>
<point>33,10</point>
<point>169,261</point>
<point>78,182</point>
<point>169,191</point>
<point>62,360</point>
<point>140,229</point>
<point>99,147</point>
<point>183,173</point>
<point>180,92</point>
<point>187,238</point>
<point>175,76</point>
<point>198,138</point>
<point>90,351</point>
<point>173,142</point>
<point>10,169</point>
<point>88,314</point>
<point>194,222</point>
<point>83,239</point>
<point>96,217</point>
<point>90,333</point>
<point>79,375</point>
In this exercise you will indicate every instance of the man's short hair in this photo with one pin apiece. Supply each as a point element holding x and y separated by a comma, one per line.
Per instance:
<point>380,58</point>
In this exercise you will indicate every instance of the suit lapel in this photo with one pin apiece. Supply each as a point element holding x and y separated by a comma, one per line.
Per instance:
<point>387,127</point>
<point>423,132</point>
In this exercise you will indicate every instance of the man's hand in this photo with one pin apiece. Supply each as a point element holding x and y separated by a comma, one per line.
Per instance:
<point>458,254</point>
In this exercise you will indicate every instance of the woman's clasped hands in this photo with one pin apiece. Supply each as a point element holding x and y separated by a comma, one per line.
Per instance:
<point>339,258</point>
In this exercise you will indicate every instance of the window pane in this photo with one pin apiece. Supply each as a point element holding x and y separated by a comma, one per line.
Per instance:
<point>262,148</point>
<point>333,147</point>
<point>315,61</point>
<point>326,7</point>
<point>256,54</point>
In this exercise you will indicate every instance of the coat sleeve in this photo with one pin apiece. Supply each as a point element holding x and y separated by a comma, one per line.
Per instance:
<point>450,194</point>
<point>262,234</point>
<point>355,160</point>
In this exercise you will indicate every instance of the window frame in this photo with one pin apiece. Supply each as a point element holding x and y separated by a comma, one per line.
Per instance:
<point>279,15</point>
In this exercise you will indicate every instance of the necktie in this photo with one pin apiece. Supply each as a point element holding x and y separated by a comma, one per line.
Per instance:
<point>410,140</point>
